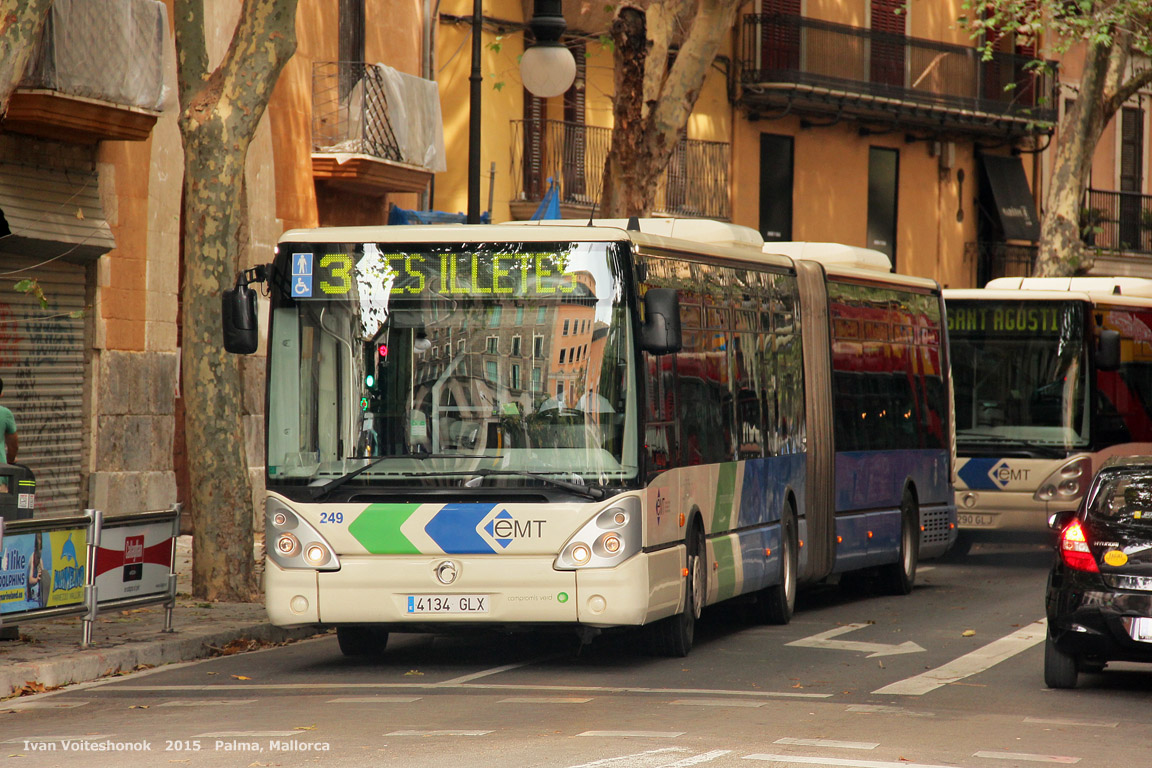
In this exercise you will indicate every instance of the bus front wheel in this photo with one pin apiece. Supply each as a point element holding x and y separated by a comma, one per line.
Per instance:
<point>361,642</point>
<point>676,634</point>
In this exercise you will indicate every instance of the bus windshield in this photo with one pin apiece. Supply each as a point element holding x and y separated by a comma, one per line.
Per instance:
<point>426,364</point>
<point>1020,373</point>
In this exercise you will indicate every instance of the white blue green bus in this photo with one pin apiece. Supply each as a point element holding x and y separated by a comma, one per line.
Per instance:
<point>586,427</point>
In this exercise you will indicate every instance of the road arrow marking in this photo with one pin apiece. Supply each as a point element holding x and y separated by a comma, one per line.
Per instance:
<point>824,640</point>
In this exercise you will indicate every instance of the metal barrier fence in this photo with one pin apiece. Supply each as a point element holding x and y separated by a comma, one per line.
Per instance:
<point>81,565</point>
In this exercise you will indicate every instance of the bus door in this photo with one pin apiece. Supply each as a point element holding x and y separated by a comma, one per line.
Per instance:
<point>819,551</point>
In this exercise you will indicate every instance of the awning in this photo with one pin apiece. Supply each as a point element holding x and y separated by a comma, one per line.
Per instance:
<point>1011,199</point>
<point>47,213</point>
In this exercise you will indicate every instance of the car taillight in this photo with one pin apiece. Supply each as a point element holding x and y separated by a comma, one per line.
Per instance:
<point>1074,549</point>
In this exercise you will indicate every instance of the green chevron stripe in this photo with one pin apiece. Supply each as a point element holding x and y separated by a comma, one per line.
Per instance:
<point>725,554</point>
<point>725,492</point>
<point>377,528</point>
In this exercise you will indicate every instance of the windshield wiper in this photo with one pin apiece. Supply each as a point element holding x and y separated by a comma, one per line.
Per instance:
<point>588,491</point>
<point>320,491</point>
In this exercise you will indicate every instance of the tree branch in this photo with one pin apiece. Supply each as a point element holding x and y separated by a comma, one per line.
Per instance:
<point>191,49</point>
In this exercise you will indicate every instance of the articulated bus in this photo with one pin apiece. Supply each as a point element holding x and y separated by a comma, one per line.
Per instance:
<point>586,427</point>
<point>1052,376</point>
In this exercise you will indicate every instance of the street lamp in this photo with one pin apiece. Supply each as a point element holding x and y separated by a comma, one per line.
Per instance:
<point>546,68</point>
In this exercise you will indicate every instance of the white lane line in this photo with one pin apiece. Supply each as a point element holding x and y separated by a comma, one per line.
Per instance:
<point>488,672</point>
<point>1028,758</point>
<point>206,702</point>
<point>544,700</point>
<point>970,663</point>
<point>828,743</point>
<point>443,732</point>
<point>717,703</point>
<point>248,734</point>
<point>427,686</point>
<point>374,700</point>
<point>837,761</point>
<point>15,706</point>
<point>634,734</point>
<point>1077,723</point>
<point>878,709</point>
<point>638,759</point>
<point>47,739</point>
<point>705,757</point>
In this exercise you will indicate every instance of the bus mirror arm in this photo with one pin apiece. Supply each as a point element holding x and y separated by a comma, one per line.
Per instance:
<point>238,312</point>
<point>660,334</point>
<point>1108,351</point>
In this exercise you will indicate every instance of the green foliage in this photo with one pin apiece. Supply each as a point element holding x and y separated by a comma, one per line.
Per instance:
<point>1062,22</point>
<point>33,288</point>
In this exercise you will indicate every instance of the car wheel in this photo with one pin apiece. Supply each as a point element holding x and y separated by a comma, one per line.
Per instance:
<point>898,578</point>
<point>676,634</point>
<point>776,604</point>
<point>359,642</point>
<point>1059,667</point>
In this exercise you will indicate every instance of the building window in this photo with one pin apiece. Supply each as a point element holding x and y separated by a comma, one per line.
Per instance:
<point>562,353</point>
<point>560,391</point>
<point>538,347</point>
<point>516,346</point>
<point>519,316</point>
<point>490,371</point>
<point>535,379</point>
<point>541,315</point>
<point>494,316</point>
<point>515,377</point>
<point>565,333</point>
<point>492,345</point>
<point>460,347</point>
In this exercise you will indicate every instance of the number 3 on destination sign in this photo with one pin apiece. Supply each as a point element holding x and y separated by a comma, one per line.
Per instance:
<point>341,268</point>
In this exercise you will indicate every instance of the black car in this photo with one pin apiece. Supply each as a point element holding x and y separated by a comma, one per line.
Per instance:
<point>1099,600</point>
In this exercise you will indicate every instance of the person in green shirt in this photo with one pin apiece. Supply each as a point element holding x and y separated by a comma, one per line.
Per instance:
<point>11,442</point>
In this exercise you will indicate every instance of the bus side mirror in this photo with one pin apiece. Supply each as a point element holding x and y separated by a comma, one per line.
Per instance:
<point>1108,351</point>
<point>661,331</point>
<point>238,312</point>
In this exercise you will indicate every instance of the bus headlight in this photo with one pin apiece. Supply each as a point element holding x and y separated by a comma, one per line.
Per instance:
<point>605,541</point>
<point>1066,484</point>
<point>293,543</point>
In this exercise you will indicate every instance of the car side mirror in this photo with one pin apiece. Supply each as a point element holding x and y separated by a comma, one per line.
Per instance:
<point>238,312</point>
<point>1108,351</point>
<point>660,334</point>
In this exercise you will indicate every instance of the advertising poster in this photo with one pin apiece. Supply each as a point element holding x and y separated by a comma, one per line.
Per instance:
<point>133,560</point>
<point>42,570</point>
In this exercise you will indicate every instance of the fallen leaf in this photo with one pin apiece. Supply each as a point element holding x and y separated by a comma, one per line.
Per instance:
<point>139,706</point>
<point>304,727</point>
<point>80,213</point>
<point>413,672</point>
<point>240,677</point>
<point>968,633</point>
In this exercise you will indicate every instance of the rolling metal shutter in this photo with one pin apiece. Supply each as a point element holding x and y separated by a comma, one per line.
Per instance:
<point>42,364</point>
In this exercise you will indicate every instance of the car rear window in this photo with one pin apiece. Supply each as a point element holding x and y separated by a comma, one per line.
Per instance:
<point>1124,499</point>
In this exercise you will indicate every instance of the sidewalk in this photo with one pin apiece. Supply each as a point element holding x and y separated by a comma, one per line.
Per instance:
<point>48,653</point>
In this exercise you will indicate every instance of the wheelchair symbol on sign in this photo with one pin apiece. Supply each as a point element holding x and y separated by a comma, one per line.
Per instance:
<point>301,275</point>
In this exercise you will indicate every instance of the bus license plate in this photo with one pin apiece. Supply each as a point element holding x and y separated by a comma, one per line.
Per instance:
<point>447,603</point>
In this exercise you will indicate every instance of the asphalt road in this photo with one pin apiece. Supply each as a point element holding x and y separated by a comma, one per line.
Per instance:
<point>950,675</point>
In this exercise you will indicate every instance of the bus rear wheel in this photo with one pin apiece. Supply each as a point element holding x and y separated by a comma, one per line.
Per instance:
<point>361,642</point>
<point>675,635</point>
<point>897,578</point>
<point>776,604</point>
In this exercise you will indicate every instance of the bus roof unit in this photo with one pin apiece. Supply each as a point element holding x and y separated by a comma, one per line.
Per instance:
<point>833,255</point>
<point>1126,286</point>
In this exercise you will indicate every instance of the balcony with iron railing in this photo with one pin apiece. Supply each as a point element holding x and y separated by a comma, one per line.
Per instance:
<point>572,155</point>
<point>358,141</point>
<point>96,73</point>
<point>806,66</point>
<point>1118,222</point>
